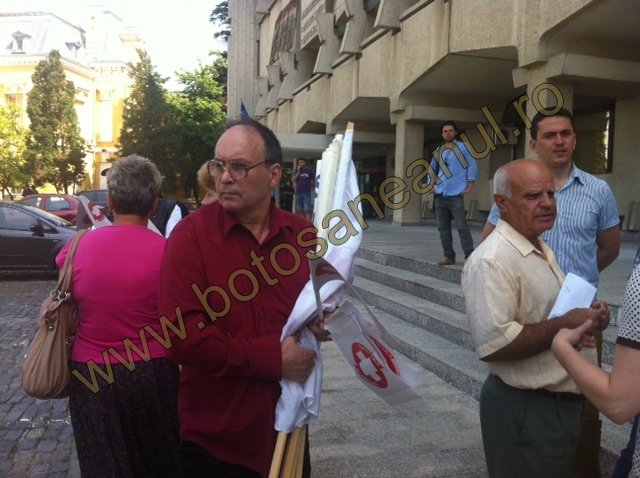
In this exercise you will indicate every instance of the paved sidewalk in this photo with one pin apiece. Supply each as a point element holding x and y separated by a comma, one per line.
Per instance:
<point>36,439</point>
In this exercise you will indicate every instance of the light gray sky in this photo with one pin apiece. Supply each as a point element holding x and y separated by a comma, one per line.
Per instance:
<point>176,34</point>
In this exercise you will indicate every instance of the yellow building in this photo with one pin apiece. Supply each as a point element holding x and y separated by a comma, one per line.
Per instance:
<point>95,47</point>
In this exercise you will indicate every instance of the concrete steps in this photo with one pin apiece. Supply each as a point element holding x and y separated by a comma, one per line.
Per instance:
<point>421,304</point>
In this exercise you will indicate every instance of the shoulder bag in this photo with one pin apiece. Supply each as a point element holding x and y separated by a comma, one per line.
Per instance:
<point>47,366</point>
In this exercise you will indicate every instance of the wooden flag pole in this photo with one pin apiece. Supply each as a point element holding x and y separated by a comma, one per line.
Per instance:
<point>278,455</point>
<point>302,439</point>
<point>292,467</point>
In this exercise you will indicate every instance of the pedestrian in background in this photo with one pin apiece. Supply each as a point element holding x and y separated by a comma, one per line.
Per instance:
<point>304,178</point>
<point>449,193</point>
<point>286,196</point>
<point>168,213</point>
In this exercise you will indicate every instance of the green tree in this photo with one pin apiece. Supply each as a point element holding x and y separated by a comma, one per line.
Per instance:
<point>12,143</point>
<point>55,150</point>
<point>196,114</point>
<point>219,74</point>
<point>220,17</point>
<point>144,129</point>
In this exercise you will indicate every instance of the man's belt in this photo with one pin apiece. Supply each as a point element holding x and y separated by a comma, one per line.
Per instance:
<point>568,396</point>
<point>443,196</point>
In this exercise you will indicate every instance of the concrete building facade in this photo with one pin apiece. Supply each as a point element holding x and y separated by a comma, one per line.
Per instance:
<point>399,68</point>
<point>95,48</point>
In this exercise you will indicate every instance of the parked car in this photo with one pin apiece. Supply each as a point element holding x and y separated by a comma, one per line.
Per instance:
<point>31,238</point>
<point>99,198</point>
<point>62,205</point>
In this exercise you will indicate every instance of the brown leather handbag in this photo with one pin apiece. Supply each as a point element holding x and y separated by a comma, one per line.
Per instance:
<point>47,366</point>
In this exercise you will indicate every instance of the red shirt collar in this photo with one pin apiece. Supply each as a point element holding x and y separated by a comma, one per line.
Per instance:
<point>228,222</point>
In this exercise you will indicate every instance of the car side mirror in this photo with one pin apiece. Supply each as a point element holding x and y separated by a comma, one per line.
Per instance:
<point>40,228</point>
<point>37,228</point>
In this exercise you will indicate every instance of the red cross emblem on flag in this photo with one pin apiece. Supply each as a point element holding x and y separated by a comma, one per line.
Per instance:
<point>367,366</point>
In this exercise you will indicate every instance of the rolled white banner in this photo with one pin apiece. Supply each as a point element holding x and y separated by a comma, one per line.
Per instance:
<point>329,173</point>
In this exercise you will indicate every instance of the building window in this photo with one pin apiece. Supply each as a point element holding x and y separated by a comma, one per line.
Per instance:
<point>19,43</point>
<point>594,132</point>
<point>73,48</point>
<point>371,6</point>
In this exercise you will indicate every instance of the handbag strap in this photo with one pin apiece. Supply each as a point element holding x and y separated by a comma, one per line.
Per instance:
<point>64,279</point>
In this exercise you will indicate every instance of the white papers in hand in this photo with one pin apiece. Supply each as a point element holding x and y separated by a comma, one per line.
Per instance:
<point>575,293</point>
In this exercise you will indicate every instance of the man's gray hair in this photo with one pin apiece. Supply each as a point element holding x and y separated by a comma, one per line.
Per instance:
<point>501,184</point>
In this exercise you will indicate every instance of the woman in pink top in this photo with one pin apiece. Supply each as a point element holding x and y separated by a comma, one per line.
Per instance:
<point>123,393</point>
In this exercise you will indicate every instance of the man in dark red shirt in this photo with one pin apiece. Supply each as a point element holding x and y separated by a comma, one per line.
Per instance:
<point>230,277</point>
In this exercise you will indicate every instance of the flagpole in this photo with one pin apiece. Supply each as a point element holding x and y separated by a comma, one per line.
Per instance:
<point>278,455</point>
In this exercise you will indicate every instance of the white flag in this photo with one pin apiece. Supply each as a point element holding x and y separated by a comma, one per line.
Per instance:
<point>300,403</point>
<point>374,361</point>
<point>90,215</point>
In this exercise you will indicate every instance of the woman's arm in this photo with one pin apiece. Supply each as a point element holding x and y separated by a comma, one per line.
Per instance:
<point>617,395</point>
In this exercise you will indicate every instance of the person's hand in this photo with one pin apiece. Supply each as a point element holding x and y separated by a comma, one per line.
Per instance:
<point>604,315</point>
<point>579,337</point>
<point>297,362</point>
<point>319,330</point>
<point>576,317</point>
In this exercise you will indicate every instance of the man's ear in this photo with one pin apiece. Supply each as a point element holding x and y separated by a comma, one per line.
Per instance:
<point>533,145</point>
<point>275,172</point>
<point>155,207</point>
<point>501,202</point>
<point>109,202</point>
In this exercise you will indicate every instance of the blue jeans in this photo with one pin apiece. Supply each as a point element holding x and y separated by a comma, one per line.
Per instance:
<point>303,202</point>
<point>623,467</point>
<point>448,208</point>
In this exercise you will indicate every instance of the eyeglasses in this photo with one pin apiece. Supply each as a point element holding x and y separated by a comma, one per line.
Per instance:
<point>236,169</point>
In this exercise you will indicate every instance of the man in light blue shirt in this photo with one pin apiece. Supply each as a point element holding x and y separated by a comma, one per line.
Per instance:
<point>457,171</point>
<point>585,239</point>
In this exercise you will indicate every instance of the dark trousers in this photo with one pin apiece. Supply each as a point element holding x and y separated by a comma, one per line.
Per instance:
<point>450,209</point>
<point>526,434</point>
<point>197,462</point>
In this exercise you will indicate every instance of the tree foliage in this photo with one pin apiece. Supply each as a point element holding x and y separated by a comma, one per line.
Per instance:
<point>177,131</point>
<point>144,130</point>
<point>219,74</point>
<point>220,17</point>
<point>196,114</point>
<point>55,149</point>
<point>12,144</point>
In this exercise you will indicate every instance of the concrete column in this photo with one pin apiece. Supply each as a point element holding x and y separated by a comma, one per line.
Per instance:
<point>409,148</point>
